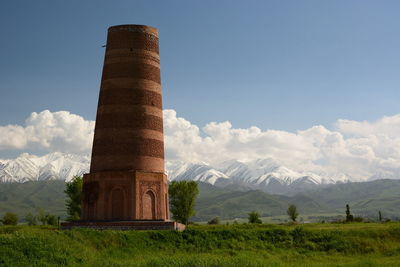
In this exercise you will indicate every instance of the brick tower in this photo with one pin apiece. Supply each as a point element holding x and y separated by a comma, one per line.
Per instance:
<point>127,187</point>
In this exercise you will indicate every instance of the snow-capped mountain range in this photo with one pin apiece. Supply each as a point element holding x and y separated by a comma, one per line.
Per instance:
<point>263,174</point>
<point>53,166</point>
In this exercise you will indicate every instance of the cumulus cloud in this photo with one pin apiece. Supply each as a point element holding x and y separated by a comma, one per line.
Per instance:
<point>359,149</point>
<point>51,131</point>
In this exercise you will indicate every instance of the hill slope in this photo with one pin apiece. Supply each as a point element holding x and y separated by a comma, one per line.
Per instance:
<point>22,198</point>
<point>365,198</point>
<point>228,203</point>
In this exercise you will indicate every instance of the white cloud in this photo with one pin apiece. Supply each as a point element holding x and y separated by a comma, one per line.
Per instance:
<point>386,126</point>
<point>358,149</point>
<point>51,131</point>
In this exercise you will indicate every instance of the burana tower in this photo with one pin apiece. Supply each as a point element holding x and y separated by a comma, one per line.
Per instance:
<point>127,187</point>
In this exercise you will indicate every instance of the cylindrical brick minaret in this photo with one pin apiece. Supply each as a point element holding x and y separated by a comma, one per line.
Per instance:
<point>129,124</point>
<point>127,187</point>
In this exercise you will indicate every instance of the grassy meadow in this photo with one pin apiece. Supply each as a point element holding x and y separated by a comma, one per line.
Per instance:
<point>355,244</point>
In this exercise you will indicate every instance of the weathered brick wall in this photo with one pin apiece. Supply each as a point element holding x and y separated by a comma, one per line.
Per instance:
<point>129,125</point>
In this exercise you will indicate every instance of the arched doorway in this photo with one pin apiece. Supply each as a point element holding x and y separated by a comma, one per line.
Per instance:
<point>149,206</point>
<point>117,204</point>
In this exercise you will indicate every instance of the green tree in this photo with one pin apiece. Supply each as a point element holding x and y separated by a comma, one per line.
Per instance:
<point>10,219</point>
<point>52,220</point>
<point>182,198</point>
<point>380,216</point>
<point>292,212</point>
<point>214,221</point>
<point>74,193</point>
<point>254,217</point>
<point>349,217</point>
<point>30,219</point>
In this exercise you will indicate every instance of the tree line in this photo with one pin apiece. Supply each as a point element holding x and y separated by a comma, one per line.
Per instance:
<point>45,218</point>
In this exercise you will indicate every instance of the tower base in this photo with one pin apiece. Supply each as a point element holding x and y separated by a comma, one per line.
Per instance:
<point>125,196</point>
<point>124,225</point>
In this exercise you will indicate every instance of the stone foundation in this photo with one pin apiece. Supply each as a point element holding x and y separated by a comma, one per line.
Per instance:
<point>125,225</point>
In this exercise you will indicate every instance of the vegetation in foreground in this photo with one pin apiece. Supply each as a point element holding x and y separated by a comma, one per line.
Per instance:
<point>348,244</point>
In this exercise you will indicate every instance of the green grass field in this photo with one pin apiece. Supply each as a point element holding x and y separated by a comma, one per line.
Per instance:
<point>363,244</point>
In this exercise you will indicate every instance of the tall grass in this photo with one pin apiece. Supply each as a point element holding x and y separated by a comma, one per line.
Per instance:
<point>234,245</point>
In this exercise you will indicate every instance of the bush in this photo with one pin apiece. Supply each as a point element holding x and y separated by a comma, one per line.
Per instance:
<point>52,220</point>
<point>10,219</point>
<point>358,219</point>
<point>254,217</point>
<point>44,218</point>
<point>299,235</point>
<point>214,221</point>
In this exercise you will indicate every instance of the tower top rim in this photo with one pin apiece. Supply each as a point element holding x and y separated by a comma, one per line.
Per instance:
<point>134,28</point>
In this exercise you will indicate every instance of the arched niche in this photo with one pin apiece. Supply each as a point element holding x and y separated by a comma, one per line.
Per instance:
<point>149,205</point>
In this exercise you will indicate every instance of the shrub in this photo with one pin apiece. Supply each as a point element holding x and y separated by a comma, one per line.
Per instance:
<point>358,219</point>
<point>52,220</point>
<point>299,235</point>
<point>214,221</point>
<point>254,217</point>
<point>10,219</point>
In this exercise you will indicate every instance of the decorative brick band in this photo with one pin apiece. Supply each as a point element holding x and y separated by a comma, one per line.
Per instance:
<point>127,82</point>
<point>130,96</point>
<point>131,51</point>
<point>134,146</point>
<point>129,120</point>
<point>142,109</point>
<point>131,70</point>
<point>130,56</point>
<point>128,133</point>
<point>134,40</point>
<point>133,60</point>
<point>111,163</point>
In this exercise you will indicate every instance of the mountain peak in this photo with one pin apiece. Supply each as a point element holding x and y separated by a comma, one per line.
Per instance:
<point>53,166</point>
<point>266,174</point>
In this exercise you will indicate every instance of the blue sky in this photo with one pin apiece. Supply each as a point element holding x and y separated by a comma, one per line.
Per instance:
<point>284,65</point>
